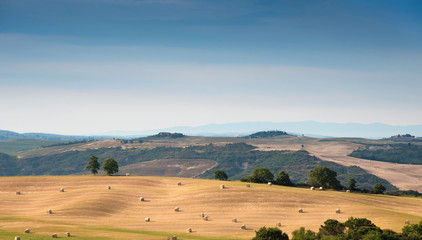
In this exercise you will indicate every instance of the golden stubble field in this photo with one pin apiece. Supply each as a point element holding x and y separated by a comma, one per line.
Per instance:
<point>88,210</point>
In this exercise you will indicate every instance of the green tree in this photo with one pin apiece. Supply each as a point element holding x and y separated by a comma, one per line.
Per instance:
<point>323,177</point>
<point>332,227</point>
<point>413,232</point>
<point>220,174</point>
<point>93,165</point>
<point>261,175</point>
<point>359,227</point>
<point>378,188</point>
<point>352,184</point>
<point>283,179</point>
<point>302,234</point>
<point>110,166</point>
<point>270,234</point>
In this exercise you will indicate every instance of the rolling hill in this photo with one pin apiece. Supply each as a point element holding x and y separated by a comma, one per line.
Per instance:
<point>88,210</point>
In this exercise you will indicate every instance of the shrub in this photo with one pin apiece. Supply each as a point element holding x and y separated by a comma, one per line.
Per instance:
<point>270,234</point>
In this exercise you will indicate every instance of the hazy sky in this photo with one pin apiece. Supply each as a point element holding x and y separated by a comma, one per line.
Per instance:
<point>92,66</point>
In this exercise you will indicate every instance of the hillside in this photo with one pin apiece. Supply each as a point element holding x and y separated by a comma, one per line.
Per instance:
<point>236,159</point>
<point>397,153</point>
<point>88,210</point>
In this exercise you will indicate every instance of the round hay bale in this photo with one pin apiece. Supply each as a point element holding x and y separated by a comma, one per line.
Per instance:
<point>49,211</point>
<point>222,186</point>
<point>321,188</point>
<point>67,234</point>
<point>27,230</point>
<point>54,235</point>
<point>243,226</point>
<point>179,184</point>
<point>338,210</point>
<point>174,238</point>
<point>61,189</point>
<point>147,219</point>
<point>127,174</point>
<point>312,188</point>
<point>176,209</point>
<point>348,191</point>
<point>141,199</point>
<point>17,238</point>
<point>189,230</point>
<point>300,210</point>
<point>407,222</point>
<point>202,214</point>
<point>270,183</point>
<point>278,224</point>
<point>18,193</point>
<point>108,187</point>
<point>206,218</point>
<point>234,220</point>
<point>248,185</point>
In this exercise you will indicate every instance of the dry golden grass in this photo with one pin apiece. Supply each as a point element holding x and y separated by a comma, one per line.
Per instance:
<point>89,211</point>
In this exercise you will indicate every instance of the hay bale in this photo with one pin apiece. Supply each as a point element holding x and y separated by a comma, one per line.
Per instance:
<point>141,199</point>
<point>407,222</point>
<point>174,238</point>
<point>108,187</point>
<point>321,188</point>
<point>347,190</point>
<point>61,189</point>
<point>176,209</point>
<point>248,185</point>
<point>243,226</point>
<point>206,218</point>
<point>147,219</point>
<point>270,184</point>
<point>127,174</point>
<point>202,215</point>
<point>67,234</point>
<point>338,210</point>
<point>54,235</point>
<point>27,230</point>
<point>312,188</point>
<point>17,238</point>
<point>222,186</point>
<point>300,210</point>
<point>49,211</point>
<point>278,224</point>
<point>234,220</point>
<point>18,193</point>
<point>189,230</point>
<point>179,184</point>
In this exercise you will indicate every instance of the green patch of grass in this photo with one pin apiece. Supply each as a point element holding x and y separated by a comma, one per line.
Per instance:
<point>156,234</point>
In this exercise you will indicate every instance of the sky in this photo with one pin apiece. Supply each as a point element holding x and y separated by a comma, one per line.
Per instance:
<point>93,66</point>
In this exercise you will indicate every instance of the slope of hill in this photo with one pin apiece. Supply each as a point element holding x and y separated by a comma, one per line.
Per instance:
<point>398,153</point>
<point>9,135</point>
<point>88,210</point>
<point>236,159</point>
<point>12,147</point>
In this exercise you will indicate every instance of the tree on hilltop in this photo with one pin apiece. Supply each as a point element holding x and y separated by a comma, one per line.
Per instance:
<point>110,166</point>
<point>93,165</point>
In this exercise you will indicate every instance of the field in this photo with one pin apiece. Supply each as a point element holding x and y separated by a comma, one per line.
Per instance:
<point>88,210</point>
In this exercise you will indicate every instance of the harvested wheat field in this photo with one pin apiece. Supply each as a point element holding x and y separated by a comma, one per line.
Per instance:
<point>87,209</point>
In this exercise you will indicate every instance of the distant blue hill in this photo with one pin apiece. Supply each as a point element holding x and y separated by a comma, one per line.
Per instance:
<point>308,128</point>
<point>9,135</point>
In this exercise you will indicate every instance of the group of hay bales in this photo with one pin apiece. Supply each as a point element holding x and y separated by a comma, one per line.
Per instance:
<point>54,235</point>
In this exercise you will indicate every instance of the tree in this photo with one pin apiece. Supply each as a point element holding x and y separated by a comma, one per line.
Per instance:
<point>413,232</point>
<point>352,184</point>
<point>93,165</point>
<point>323,177</point>
<point>261,175</point>
<point>332,227</point>
<point>283,179</point>
<point>110,166</point>
<point>270,234</point>
<point>220,174</point>
<point>303,234</point>
<point>378,188</point>
<point>359,227</point>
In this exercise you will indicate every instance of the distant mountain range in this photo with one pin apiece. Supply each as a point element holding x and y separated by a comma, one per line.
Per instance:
<point>241,129</point>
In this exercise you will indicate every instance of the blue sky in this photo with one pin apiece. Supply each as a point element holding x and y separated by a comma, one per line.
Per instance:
<point>91,66</point>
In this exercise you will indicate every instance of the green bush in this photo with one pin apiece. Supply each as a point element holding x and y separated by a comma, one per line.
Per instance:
<point>270,234</point>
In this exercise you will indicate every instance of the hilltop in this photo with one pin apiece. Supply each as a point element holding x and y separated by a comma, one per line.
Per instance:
<point>88,210</point>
